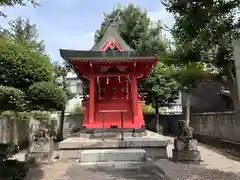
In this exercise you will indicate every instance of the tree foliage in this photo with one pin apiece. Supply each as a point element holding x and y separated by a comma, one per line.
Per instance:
<point>161,86</point>
<point>23,32</point>
<point>60,72</point>
<point>20,67</point>
<point>46,96</point>
<point>11,98</point>
<point>207,29</point>
<point>189,76</point>
<point>8,3</point>
<point>27,70</point>
<point>136,28</point>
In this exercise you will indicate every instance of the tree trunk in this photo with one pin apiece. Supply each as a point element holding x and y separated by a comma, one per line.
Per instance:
<point>15,129</point>
<point>62,115</point>
<point>188,110</point>
<point>157,118</point>
<point>61,123</point>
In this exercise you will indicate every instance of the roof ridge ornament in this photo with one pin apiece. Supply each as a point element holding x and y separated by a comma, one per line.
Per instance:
<point>112,21</point>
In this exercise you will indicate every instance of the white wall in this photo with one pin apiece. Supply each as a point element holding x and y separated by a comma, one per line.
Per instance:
<point>176,107</point>
<point>75,86</point>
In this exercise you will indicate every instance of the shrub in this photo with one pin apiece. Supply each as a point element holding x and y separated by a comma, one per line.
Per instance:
<point>47,95</point>
<point>13,170</point>
<point>148,110</point>
<point>11,99</point>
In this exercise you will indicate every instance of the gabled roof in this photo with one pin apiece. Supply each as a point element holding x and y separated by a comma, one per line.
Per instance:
<point>112,34</point>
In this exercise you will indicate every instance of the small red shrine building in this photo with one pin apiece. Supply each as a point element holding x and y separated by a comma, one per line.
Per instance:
<point>112,69</point>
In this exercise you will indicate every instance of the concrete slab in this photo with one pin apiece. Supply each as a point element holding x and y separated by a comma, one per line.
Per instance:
<point>104,155</point>
<point>128,142</point>
<point>154,144</point>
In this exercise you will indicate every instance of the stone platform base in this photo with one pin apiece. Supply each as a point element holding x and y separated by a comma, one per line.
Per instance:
<point>186,150</point>
<point>36,158</point>
<point>186,155</point>
<point>111,155</point>
<point>152,144</point>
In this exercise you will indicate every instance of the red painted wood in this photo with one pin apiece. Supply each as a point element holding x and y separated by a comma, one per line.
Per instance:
<point>91,99</point>
<point>117,95</point>
<point>134,96</point>
<point>114,118</point>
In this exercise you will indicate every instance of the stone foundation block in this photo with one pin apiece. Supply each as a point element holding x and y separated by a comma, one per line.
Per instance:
<point>186,155</point>
<point>105,155</point>
<point>69,154</point>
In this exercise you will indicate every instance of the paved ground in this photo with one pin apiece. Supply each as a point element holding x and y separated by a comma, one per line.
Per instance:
<point>119,171</point>
<point>214,167</point>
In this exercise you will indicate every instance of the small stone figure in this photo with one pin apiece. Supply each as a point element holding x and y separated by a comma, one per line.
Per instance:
<point>185,147</point>
<point>185,131</point>
<point>42,134</point>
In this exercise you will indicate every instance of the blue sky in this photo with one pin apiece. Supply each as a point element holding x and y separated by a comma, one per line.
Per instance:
<point>71,24</point>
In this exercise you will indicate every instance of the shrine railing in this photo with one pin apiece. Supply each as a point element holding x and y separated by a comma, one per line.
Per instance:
<point>111,111</point>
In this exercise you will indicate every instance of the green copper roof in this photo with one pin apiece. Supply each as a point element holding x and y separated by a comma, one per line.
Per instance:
<point>98,55</point>
<point>112,34</point>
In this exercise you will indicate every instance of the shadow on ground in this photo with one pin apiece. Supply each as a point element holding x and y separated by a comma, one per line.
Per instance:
<point>116,171</point>
<point>16,170</point>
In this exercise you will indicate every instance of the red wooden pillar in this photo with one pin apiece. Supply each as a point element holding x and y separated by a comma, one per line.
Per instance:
<point>134,96</point>
<point>91,99</point>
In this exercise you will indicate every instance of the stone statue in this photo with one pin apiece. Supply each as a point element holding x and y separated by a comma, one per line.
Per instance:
<point>42,134</point>
<point>185,131</point>
<point>185,147</point>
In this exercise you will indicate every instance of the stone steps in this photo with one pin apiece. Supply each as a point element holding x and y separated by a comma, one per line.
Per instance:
<point>112,155</point>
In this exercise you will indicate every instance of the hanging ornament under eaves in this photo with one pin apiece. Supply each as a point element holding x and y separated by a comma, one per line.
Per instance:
<point>129,79</point>
<point>119,79</point>
<point>97,79</point>
<point>107,80</point>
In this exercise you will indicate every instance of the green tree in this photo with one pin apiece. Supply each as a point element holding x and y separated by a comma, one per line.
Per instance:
<point>23,69</point>
<point>47,96</point>
<point>60,74</point>
<point>21,31</point>
<point>161,85</point>
<point>189,76</point>
<point>136,28</point>
<point>11,98</point>
<point>8,3</point>
<point>20,67</point>
<point>205,29</point>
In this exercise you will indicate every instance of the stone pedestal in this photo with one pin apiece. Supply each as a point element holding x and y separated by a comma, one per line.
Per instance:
<point>186,150</point>
<point>39,152</point>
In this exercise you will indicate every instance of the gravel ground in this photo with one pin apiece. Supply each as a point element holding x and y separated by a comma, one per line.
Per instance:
<point>214,167</point>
